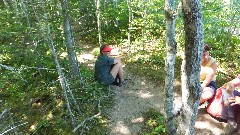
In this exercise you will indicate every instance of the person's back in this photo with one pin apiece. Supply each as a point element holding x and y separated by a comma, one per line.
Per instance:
<point>102,67</point>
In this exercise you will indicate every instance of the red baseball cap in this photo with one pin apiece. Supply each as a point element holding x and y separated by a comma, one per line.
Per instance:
<point>107,49</point>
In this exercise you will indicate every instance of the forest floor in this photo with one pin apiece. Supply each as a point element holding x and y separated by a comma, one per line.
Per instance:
<point>140,95</point>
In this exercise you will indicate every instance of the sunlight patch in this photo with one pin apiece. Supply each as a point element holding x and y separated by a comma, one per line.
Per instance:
<point>85,57</point>
<point>138,120</point>
<point>145,94</point>
<point>121,129</point>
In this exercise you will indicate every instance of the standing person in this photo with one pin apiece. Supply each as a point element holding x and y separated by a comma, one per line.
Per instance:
<point>108,69</point>
<point>207,75</point>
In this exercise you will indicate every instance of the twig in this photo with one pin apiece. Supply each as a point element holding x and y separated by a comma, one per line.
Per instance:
<point>7,67</point>
<point>12,122</point>
<point>94,116</point>
<point>89,118</point>
<point>4,111</point>
<point>13,128</point>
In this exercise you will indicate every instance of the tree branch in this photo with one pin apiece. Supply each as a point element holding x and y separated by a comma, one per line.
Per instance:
<point>12,128</point>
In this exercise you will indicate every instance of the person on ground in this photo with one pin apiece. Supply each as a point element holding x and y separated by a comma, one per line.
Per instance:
<point>232,108</point>
<point>108,70</point>
<point>235,101</point>
<point>207,75</point>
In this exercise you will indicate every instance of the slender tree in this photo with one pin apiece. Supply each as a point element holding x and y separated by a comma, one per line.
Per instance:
<point>98,12</point>
<point>191,88</point>
<point>171,46</point>
<point>129,22</point>
<point>62,78</point>
<point>69,39</point>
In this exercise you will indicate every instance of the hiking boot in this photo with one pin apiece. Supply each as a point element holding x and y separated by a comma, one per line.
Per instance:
<point>123,82</point>
<point>230,128</point>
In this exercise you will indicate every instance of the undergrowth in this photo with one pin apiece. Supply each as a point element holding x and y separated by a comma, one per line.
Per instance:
<point>41,104</point>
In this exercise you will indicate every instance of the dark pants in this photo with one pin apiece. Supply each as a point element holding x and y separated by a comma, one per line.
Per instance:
<point>236,107</point>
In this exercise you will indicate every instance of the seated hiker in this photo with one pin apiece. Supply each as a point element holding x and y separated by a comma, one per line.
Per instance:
<point>229,111</point>
<point>207,75</point>
<point>108,70</point>
<point>235,101</point>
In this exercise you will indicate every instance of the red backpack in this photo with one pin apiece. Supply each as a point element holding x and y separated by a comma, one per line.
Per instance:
<point>215,105</point>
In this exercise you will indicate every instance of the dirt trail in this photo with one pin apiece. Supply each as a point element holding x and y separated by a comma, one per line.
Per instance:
<point>132,100</point>
<point>140,95</point>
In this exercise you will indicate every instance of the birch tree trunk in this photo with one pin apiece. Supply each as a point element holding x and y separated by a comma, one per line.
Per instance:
<point>116,6</point>
<point>98,12</point>
<point>69,40</point>
<point>6,5</point>
<point>144,23</point>
<point>171,46</point>
<point>62,79</point>
<point>129,22</point>
<point>191,66</point>
<point>16,7</point>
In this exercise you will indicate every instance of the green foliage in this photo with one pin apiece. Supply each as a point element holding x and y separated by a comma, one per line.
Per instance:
<point>24,46</point>
<point>154,123</point>
<point>96,51</point>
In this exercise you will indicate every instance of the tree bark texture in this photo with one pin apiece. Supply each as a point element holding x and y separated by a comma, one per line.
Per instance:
<point>129,23</point>
<point>49,38</point>
<point>98,12</point>
<point>171,47</point>
<point>69,40</point>
<point>191,66</point>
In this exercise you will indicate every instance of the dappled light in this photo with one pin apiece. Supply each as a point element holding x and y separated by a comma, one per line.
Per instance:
<point>48,51</point>
<point>85,57</point>
<point>121,128</point>
<point>144,95</point>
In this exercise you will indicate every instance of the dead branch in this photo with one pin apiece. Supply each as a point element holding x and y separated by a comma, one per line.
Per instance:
<point>12,128</point>
<point>4,111</point>
<point>94,116</point>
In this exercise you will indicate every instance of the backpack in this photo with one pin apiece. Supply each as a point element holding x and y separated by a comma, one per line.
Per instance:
<point>215,105</point>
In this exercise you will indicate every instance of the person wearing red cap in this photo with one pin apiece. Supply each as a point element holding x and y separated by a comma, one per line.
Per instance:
<point>108,70</point>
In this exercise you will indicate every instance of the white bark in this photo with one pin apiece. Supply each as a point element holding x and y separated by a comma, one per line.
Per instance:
<point>171,47</point>
<point>16,7</point>
<point>191,88</point>
<point>69,40</point>
<point>48,38</point>
<point>129,23</point>
<point>12,128</point>
<point>98,12</point>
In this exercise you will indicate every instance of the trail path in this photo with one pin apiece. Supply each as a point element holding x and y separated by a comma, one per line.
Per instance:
<point>140,95</point>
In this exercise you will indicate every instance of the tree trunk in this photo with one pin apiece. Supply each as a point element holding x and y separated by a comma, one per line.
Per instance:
<point>171,46</point>
<point>129,23</point>
<point>98,12</point>
<point>144,23</point>
<point>62,79</point>
<point>16,7</point>
<point>69,40</point>
<point>191,88</point>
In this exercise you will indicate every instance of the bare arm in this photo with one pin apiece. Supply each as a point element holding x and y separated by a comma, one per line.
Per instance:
<point>236,81</point>
<point>211,73</point>
<point>117,60</point>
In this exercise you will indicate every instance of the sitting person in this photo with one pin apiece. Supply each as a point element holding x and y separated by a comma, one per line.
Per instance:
<point>235,101</point>
<point>207,75</point>
<point>107,69</point>
<point>233,105</point>
<point>227,92</point>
